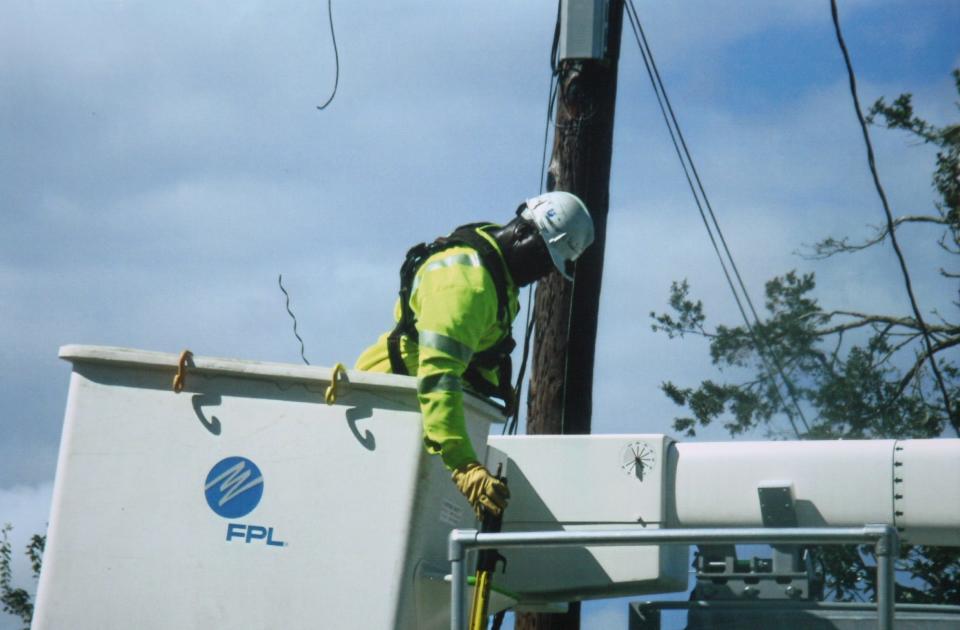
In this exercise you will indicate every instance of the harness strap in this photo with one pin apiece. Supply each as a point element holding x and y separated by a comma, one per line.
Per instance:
<point>407,324</point>
<point>489,258</point>
<point>497,357</point>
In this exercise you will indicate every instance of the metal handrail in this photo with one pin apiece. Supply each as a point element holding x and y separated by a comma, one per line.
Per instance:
<point>884,537</point>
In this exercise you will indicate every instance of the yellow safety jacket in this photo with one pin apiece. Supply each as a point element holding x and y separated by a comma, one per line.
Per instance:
<point>458,314</point>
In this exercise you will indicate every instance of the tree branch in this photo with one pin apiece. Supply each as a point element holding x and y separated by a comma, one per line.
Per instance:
<point>910,338</point>
<point>924,355</point>
<point>830,246</point>
<point>946,246</point>
<point>865,319</point>
<point>835,355</point>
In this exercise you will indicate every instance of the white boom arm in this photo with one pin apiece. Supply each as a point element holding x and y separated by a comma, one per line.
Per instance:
<point>650,481</point>
<point>911,484</point>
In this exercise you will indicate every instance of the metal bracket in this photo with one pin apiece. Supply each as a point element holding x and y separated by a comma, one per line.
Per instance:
<point>722,576</point>
<point>777,507</point>
<point>584,27</point>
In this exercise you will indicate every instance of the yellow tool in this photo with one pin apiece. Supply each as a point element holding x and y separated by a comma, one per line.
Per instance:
<point>486,564</point>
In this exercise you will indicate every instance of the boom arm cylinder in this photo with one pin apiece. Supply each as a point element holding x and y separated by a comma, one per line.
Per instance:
<point>913,485</point>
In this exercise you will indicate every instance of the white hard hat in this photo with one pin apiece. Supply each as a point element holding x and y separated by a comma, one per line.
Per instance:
<point>565,225</point>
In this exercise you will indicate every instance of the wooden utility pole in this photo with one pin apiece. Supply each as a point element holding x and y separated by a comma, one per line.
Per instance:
<point>561,384</point>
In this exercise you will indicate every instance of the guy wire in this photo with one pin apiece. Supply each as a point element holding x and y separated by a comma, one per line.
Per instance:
<point>665,107</point>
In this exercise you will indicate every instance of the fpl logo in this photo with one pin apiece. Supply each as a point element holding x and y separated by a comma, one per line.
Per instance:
<point>233,489</point>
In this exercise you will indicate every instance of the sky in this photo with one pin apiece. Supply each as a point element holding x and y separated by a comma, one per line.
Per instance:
<point>162,163</point>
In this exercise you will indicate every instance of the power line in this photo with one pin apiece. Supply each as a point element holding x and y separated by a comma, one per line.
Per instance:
<point>336,56</point>
<point>676,137</point>
<point>510,428</point>
<point>889,216</point>
<point>554,85</point>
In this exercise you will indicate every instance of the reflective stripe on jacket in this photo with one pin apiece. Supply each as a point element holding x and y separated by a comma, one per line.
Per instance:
<point>455,303</point>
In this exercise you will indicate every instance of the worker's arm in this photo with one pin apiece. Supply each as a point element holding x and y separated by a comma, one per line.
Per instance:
<point>455,305</point>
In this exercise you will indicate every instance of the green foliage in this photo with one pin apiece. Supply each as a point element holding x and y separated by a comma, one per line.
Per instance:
<point>937,570</point>
<point>851,390</point>
<point>946,177</point>
<point>878,385</point>
<point>16,601</point>
<point>840,374</point>
<point>690,315</point>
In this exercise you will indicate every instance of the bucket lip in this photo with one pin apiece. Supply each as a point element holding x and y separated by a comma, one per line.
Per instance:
<point>243,368</point>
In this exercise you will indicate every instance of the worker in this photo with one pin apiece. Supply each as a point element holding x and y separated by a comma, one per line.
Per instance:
<point>458,300</point>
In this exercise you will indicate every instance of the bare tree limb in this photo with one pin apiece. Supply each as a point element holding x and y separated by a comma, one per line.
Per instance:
<point>922,358</point>
<point>835,355</point>
<point>897,348</point>
<point>865,319</point>
<point>830,246</point>
<point>946,246</point>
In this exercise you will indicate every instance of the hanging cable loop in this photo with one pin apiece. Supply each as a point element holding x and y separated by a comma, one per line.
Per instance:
<point>336,56</point>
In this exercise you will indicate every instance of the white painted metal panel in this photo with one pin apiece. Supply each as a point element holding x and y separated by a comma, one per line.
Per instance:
<point>349,503</point>
<point>836,483</point>
<point>576,482</point>
<point>927,491</point>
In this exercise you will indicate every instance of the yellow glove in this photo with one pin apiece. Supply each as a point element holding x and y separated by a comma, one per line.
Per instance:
<point>483,490</point>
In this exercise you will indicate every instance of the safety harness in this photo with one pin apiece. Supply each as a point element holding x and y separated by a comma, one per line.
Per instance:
<point>496,357</point>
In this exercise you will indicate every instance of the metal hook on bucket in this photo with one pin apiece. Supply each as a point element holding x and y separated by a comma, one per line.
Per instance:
<point>331,394</point>
<point>180,378</point>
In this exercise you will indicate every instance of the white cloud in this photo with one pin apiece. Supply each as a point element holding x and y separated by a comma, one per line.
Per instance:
<point>165,163</point>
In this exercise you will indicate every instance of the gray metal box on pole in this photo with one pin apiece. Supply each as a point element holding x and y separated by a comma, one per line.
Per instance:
<point>583,29</point>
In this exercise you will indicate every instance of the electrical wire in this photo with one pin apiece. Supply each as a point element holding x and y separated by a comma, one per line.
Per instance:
<point>336,56</point>
<point>294,318</point>
<point>510,427</point>
<point>676,136</point>
<point>554,85</point>
<point>889,216</point>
